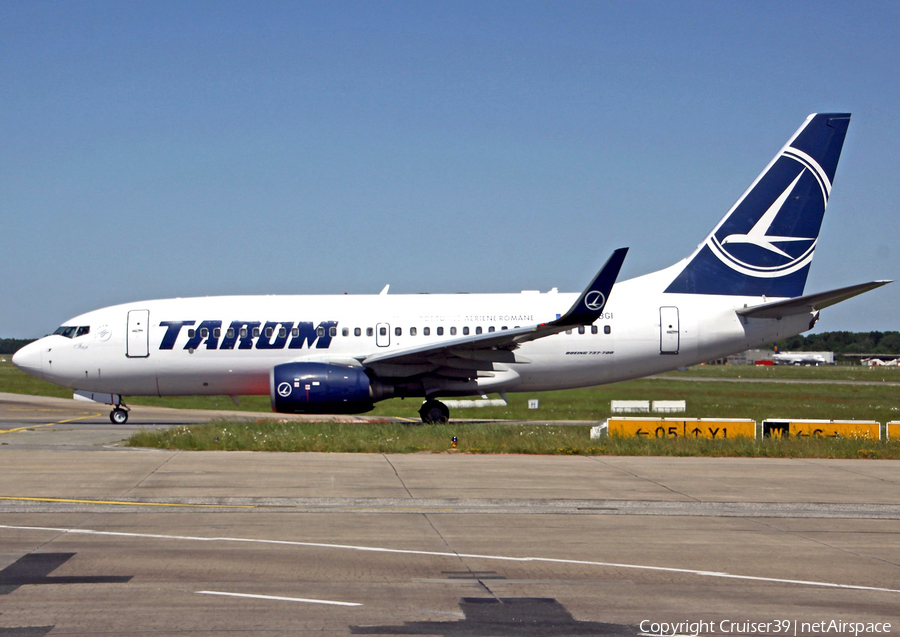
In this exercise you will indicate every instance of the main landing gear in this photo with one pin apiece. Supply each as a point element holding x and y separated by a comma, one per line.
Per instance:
<point>119,414</point>
<point>434,412</point>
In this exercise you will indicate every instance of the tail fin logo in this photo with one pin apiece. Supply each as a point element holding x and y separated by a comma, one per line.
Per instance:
<point>594,300</point>
<point>764,245</point>
<point>793,195</point>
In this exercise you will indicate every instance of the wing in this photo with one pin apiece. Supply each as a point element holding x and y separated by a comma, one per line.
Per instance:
<point>808,303</point>
<point>480,355</point>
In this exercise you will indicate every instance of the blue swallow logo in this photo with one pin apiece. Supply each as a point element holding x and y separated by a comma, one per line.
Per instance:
<point>781,240</point>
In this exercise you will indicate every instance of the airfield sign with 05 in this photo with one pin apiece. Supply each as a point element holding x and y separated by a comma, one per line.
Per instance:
<point>688,428</point>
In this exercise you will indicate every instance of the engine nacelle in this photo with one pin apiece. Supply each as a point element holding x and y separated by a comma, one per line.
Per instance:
<point>320,388</point>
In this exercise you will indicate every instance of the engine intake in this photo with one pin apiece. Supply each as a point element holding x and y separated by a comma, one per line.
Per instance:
<point>320,388</point>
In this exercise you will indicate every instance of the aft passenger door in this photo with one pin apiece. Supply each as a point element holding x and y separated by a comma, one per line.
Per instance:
<point>138,341</point>
<point>669,331</point>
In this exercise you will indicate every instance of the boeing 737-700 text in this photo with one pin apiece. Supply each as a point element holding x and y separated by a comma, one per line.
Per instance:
<point>741,288</point>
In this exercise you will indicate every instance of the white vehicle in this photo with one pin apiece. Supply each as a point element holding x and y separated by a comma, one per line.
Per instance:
<point>741,288</point>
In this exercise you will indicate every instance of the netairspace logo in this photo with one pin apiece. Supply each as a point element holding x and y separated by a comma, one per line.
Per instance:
<point>778,627</point>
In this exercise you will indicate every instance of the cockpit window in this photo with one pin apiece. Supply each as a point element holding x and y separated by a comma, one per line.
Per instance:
<point>66,331</point>
<point>73,332</point>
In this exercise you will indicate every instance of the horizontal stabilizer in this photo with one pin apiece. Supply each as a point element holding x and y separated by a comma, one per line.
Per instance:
<point>808,303</point>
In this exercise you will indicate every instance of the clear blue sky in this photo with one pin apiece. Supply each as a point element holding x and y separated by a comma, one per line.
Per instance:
<point>158,149</point>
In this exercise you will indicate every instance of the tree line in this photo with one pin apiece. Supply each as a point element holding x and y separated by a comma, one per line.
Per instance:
<point>885,343</point>
<point>12,345</point>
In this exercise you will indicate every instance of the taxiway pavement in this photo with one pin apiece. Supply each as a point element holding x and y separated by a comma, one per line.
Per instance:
<point>96,538</point>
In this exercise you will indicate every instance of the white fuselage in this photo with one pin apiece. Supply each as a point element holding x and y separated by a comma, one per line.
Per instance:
<point>159,347</point>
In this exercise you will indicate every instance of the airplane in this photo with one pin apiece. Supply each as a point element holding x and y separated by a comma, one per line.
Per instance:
<point>741,288</point>
<point>800,358</point>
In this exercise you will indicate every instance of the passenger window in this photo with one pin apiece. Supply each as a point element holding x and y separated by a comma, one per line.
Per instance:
<point>607,329</point>
<point>269,332</point>
<point>412,331</point>
<point>230,332</point>
<point>217,332</point>
<point>398,331</point>
<point>478,330</point>
<point>505,327</point>
<point>426,331</point>
<point>320,331</point>
<point>581,329</point>
<point>452,331</point>
<point>382,331</point>
<point>295,332</point>
<point>593,329</point>
<point>345,331</point>
<point>491,329</point>
<point>204,333</point>
<point>440,331</point>
<point>466,331</point>
<point>370,331</point>
<point>243,332</point>
<point>191,333</point>
<point>357,331</point>
<point>332,332</point>
<point>282,332</point>
<point>568,331</point>
<point>255,332</point>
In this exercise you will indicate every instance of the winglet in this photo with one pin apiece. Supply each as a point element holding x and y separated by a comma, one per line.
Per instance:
<point>590,304</point>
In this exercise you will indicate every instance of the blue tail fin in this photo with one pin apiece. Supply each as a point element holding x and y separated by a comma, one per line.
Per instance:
<point>764,245</point>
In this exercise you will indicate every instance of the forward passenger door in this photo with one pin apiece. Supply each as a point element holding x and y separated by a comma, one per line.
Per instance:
<point>138,340</point>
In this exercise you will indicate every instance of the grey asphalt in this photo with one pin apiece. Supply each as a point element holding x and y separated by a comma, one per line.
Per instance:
<point>97,539</point>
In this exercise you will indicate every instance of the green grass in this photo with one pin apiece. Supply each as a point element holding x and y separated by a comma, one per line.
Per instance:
<point>485,438</point>
<point>13,381</point>
<point>758,401</point>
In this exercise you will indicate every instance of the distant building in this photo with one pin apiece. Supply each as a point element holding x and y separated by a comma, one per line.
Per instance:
<point>750,357</point>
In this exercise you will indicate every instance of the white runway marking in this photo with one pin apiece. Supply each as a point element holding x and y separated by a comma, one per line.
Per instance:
<point>502,558</point>
<point>280,599</point>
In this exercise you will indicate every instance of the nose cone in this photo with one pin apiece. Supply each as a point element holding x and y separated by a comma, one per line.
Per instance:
<point>28,359</point>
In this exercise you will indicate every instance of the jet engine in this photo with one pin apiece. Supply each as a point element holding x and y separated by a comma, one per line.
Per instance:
<point>321,388</point>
